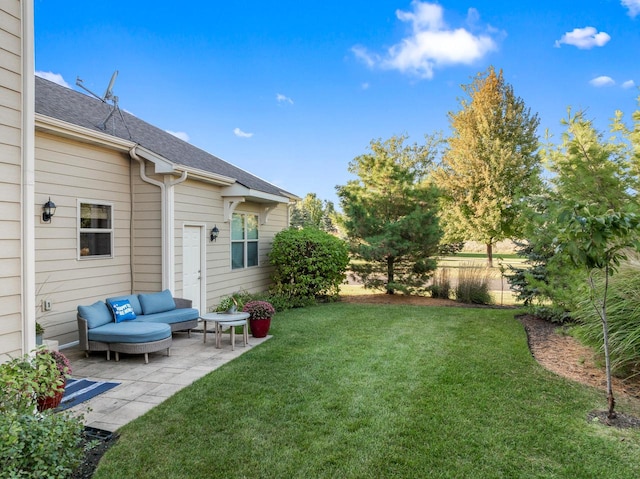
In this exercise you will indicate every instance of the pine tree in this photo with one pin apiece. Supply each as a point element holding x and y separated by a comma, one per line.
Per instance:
<point>390,215</point>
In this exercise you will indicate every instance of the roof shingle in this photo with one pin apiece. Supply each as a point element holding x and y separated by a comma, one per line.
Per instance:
<point>73,107</point>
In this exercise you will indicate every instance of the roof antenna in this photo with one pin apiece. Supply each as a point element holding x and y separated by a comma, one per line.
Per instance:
<point>108,95</point>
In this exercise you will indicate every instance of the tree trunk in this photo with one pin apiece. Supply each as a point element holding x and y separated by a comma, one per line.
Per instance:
<point>390,277</point>
<point>607,359</point>
<point>490,255</point>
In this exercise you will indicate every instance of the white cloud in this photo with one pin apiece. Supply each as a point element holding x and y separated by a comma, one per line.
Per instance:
<point>432,44</point>
<point>54,77</point>
<point>602,81</point>
<point>584,38</point>
<point>628,84</point>
<point>179,134</point>
<point>241,134</point>
<point>363,55</point>
<point>633,6</point>
<point>280,98</point>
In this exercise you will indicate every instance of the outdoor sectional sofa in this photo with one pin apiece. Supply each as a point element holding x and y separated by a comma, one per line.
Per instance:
<point>134,324</point>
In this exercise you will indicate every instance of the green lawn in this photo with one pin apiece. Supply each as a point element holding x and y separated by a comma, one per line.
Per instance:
<point>371,391</point>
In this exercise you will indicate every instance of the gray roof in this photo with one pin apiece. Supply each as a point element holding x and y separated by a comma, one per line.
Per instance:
<point>71,106</point>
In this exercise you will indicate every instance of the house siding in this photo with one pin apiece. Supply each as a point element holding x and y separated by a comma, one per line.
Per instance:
<point>147,239</point>
<point>68,171</point>
<point>199,203</point>
<point>11,170</point>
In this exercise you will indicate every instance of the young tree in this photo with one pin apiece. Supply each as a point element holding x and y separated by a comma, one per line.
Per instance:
<point>586,169</point>
<point>390,214</point>
<point>598,242</point>
<point>491,162</point>
<point>589,169</point>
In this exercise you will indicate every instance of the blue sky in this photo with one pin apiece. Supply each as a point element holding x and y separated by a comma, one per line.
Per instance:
<point>293,91</point>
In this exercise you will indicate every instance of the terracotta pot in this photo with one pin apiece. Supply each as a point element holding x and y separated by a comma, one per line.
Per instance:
<point>51,402</point>
<point>259,327</point>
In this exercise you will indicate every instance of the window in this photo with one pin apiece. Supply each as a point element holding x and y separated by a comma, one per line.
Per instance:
<point>244,240</point>
<point>95,230</point>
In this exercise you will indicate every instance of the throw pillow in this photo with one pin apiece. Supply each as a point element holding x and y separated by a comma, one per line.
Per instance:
<point>157,302</point>
<point>97,314</point>
<point>122,310</point>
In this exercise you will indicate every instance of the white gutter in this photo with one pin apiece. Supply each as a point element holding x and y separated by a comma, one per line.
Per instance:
<point>28,262</point>
<point>167,216</point>
<point>80,133</point>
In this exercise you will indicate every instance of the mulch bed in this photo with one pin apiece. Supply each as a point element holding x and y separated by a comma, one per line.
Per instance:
<point>104,439</point>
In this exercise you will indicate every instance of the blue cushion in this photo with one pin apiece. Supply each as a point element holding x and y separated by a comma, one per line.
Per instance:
<point>96,315</point>
<point>130,332</point>
<point>157,302</point>
<point>170,317</point>
<point>132,298</point>
<point>122,310</point>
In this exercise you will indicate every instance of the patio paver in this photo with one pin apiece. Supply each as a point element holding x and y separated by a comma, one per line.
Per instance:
<point>143,386</point>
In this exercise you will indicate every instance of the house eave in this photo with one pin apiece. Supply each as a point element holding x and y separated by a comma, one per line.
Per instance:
<point>161,165</point>
<point>69,130</point>
<point>256,196</point>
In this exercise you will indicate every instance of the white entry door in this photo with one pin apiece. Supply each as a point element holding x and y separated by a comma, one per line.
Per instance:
<point>192,263</point>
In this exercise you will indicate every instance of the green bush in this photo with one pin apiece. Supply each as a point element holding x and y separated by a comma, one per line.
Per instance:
<point>309,264</point>
<point>623,315</point>
<point>35,444</point>
<point>473,285</point>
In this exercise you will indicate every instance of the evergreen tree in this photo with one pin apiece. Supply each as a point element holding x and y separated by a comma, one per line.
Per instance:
<point>490,163</point>
<point>390,215</point>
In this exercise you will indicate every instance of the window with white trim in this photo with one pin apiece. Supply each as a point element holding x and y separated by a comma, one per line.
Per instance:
<point>244,240</point>
<point>95,230</point>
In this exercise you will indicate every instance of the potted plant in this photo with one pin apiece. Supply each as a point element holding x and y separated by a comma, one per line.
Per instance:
<point>260,313</point>
<point>39,333</point>
<point>230,304</point>
<point>55,369</point>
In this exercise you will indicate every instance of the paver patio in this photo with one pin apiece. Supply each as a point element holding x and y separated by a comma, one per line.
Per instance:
<point>142,386</point>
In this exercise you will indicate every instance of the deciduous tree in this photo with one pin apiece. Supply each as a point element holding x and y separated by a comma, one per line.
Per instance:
<point>491,161</point>
<point>598,243</point>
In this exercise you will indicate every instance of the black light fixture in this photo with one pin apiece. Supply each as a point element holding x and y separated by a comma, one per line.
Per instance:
<point>214,233</point>
<point>48,210</point>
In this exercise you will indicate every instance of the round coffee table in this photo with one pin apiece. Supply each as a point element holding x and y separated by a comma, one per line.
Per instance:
<point>230,320</point>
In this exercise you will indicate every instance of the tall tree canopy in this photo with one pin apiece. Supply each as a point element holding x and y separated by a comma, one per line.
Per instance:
<point>390,214</point>
<point>589,169</point>
<point>313,212</point>
<point>490,162</point>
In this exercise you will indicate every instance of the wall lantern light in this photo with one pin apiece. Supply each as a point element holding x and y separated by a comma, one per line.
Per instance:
<point>214,233</point>
<point>48,210</point>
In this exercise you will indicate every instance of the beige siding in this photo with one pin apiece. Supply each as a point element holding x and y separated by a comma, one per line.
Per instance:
<point>147,239</point>
<point>67,171</point>
<point>11,157</point>
<point>200,203</point>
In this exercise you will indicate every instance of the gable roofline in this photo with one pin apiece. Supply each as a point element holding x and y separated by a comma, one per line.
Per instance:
<point>161,165</point>
<point>73,114</point>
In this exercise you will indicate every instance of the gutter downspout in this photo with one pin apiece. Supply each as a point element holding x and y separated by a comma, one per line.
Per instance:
<point>166,219</point>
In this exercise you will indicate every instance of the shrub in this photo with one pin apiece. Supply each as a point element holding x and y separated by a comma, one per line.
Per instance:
<point>309,264</point>
<point>36,444</point>
<point>473,284</point>
<point>441,285</point>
